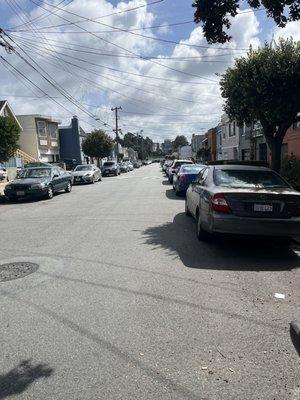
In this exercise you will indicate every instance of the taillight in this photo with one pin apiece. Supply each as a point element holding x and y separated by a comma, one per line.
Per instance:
<point>297,212</point>
<point>182,178</point>
<point>219,204</point>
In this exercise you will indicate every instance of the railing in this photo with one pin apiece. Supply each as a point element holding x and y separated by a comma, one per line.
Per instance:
<point>26,158</point>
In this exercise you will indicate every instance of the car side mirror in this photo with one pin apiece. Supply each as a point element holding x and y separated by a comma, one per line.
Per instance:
<point>55,176</point>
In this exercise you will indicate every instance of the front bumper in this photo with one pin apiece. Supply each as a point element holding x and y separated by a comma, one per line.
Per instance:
<point>222,223</point>
<point>11,193</point>
<point>109,172</point>
<point>82,179</point>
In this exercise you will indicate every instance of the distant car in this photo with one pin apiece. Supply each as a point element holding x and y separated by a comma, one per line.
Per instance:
<point>88,173</point>
<point>39,182</point>
<point>244,200</point>
<point>174,167</point>
<point>136,164</point>
<point>187,174</point>
<point>130,166</point>
<point>3,174</point>
<point>124,167</point>
<point>110,168</point>
<point>166,166</point>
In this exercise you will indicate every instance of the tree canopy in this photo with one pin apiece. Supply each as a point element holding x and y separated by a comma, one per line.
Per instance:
<point>180,140</point>
<point>265,87</point>
<point>214,15</point>
<point>97,144</point>
<point>9,136</point>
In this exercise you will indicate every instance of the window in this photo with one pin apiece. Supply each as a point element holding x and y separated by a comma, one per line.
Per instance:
<point>41,128</point>
<point>231,128</point>
<point>248,178</point>
<point>53,130</point>
<point>296,125</point>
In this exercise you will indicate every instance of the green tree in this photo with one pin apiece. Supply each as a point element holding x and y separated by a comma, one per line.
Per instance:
<point>214,14</point>
<point>180,140</point>
<point>9,136</point>
<point>97,145</point>
<point>265,87</point>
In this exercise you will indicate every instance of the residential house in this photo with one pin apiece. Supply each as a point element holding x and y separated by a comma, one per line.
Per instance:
<point>70,142</point>
<point>39,137</point>
<point>167,146</point>
<point>196,144</point>
<point>291,141</point>
<point>208,149</point>
<point>230,138</point>
<point>184,152</point>
<point>219,150</point>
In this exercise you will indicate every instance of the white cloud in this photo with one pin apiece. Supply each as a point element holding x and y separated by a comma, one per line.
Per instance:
<point>201,103</point>
<point>292,29</point>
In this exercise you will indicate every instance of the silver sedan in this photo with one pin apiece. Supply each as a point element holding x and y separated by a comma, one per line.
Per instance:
<point>244,200</point>
<point>87,174</point>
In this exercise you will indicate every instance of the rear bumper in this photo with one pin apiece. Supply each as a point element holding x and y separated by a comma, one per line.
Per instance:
<point>254,226</point>
<point>27,193</point>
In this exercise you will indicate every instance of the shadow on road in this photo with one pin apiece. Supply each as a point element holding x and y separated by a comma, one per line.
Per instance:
<point>170,193</point>
<point>19,378</point>
<point>295,340</point>
<point>166,183</point>
<point>179,238</point>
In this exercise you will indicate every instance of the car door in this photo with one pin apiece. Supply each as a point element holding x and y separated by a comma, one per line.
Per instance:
<point>197,189</point>
<point>192,194</point>
<point>65,178</point>
<point>57,180</point>
<point>205,197</point>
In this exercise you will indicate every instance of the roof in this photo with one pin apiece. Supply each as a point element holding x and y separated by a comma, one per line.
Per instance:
<point>40,116</point>
<point>4,103</point>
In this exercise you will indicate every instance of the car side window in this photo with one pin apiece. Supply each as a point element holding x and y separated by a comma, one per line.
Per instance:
<point>61,171</point>
<point>202,176</point>
<point>55,172</point>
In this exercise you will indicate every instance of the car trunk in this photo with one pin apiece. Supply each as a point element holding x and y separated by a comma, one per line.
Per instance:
<point>262,203</point>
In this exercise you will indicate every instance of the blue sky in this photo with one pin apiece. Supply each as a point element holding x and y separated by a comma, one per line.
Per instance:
<point>163,100</point>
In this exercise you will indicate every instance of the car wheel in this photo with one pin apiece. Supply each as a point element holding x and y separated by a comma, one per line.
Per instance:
<point>68,188</point>
<point>187,211</point>
<point>177,193</point>
<point>13,199</point>
<point>50,193</point>
<point>100,178</point>
<point>116,173</point>
<point>93,180</point>
<point>200,232</point>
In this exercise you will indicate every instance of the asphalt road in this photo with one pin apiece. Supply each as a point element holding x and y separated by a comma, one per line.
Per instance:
<point>127,304</point>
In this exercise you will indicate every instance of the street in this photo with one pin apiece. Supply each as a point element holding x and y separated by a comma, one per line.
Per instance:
<point>128,304</point>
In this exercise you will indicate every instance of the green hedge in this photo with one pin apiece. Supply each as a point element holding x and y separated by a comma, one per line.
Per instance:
<point>290,170</point>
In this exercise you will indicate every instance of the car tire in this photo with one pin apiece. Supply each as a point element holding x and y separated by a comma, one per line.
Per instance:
<point>68,189</point>
<point>201,234</point>
<point>187,211</point>
<point>93,180</point>
<point>50,193</point>
<point>13,199</point>
<point>116,174</point>
<point>100,179</point>
<point>177,193</point>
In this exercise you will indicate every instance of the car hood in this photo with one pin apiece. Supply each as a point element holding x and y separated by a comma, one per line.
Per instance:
<point>29,181</point>
<point>81,173</point>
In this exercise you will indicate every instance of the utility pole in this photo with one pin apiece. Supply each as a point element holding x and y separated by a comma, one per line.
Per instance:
<point>116,109</point>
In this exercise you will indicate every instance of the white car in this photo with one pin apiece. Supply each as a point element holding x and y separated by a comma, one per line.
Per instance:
<point>173,169</point>
<point>3,174</point>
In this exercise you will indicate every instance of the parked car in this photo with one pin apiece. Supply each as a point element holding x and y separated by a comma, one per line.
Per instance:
<point>3,174</point>
<point>136,164</point>
<point>87,174</point>
<point>110,168</point>
<point>166,166</point>
<point>130,166</point>
<point>39,182</point>
<point>247,200</point>
<point>187,174</point>
<point>124,167</point>
<point>173,168</point>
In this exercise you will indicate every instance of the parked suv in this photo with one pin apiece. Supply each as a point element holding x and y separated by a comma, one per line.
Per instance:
<point>110,168</point>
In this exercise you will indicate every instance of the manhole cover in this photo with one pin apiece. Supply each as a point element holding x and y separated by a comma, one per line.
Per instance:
<point>16,270</point>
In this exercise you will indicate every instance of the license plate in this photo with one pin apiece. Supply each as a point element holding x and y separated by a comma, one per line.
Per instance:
<point>263,207</point>
<point>20,193</point>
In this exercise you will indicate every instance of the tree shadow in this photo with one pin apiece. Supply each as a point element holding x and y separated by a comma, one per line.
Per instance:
<point>170,193</point>
<point>178,238</point>
<point>23,375</point>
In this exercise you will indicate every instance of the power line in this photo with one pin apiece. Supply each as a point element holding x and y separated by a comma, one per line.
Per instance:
<point>121,47</point>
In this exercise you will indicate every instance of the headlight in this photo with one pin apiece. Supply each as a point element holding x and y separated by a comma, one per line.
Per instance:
<point>89,174</point>
<point>8,187</point>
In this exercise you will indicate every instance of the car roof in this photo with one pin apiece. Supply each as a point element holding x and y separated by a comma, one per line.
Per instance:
<point>240,167</point>
<point>41,167</point>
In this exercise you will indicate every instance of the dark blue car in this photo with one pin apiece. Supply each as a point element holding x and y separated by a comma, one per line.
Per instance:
<point>186,174</point>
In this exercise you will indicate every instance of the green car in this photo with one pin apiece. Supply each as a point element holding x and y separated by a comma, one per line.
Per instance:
<point>39,182</point>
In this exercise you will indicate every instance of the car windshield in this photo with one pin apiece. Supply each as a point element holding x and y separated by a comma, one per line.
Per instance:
<point>191,169</point>
<point>248,179</point>
<point>108,164</point>
<point>83,168</point>
<point>36,173</point>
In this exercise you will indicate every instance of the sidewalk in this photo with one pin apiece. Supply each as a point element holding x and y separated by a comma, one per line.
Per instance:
<point>2,186</point>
